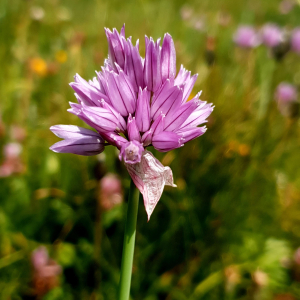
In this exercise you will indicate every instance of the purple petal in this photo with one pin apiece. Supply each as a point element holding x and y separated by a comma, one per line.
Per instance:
<point>131,152</point>
<point>152,65</point>
<point>88,93</point>
<point>189,134</point>
<point>114,139</point>
<point>127,91</point>
<point>103,85</point>
<point>73,132</point>
<point>133,65</point>
<point>142,114</point>
<point>122,32</point>
<point>116,114</point>
<point>166,141</point>
<point>156,127</point>
<point>164,91</point>
<point>182,76</point>
<point>168,58</point>
<point>120,90</point>
<point>150,177</point>
<point>147,138</point>
<point>77,110</point>
<point>115,46</point>
<point>40,257</point>
<point>188,86</point>
<point>168,104</point>
<point>85,146</point>
<point>133,132</point>
<point>199,116</point>
<point>173,122</point>
<point>102,119</point>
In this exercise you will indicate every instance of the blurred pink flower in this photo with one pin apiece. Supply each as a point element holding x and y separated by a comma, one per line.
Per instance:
<point>272,35</point>
<point>12,162</point>
<point>295,40</point>
<point>43,265</point>
<point>286,6</point>
<point>45,271</point>
<point>12,150</point>
<point>286,97</point>
<point>39,257</point>
<point>111,193</point>
<point>199,24</point>
<point>186,12</point>
<point>246,37</point>
<point>286,92</point>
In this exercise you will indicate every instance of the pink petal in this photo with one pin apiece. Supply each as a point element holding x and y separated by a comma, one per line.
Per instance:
<point>150,177</point>
<point>168,58</point>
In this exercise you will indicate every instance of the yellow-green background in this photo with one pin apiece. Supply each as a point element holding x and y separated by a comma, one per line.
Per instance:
<point>236,210</point>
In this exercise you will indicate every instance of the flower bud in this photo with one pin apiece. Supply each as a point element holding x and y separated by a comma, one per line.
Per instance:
<point>131,152</point>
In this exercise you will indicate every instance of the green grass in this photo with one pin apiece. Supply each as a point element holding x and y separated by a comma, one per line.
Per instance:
<point>237,206</point>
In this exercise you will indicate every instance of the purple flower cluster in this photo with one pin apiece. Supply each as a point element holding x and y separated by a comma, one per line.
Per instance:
<point>134,102</point>
<point>271,35</point>
<point>295,40</point>
<point>286,96</point>
<point>246,37</point>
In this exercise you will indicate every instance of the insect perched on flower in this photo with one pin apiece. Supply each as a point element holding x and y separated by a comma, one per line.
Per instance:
<point>134,103</point>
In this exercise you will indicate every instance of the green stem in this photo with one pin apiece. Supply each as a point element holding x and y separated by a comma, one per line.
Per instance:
<point>129,240</point>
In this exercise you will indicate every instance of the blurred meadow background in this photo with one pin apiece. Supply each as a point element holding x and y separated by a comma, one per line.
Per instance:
<point>231,230</point>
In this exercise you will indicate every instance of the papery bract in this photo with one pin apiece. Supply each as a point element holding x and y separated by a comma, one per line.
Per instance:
<point>150,177</point>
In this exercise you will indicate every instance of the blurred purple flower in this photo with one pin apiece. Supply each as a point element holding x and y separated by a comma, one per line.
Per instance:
<point>43,265</point>
<point>272,35</point>
<point>134,103</point>
<point>45,271</point>
<point>246,37</point>
<point>295,40</point>
<point>111,193</point>
<point>286,92</point>
<point>39,258</point>
<point>286,97</point>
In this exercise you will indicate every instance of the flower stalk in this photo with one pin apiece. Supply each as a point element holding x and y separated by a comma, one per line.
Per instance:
<point>129,241</point>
